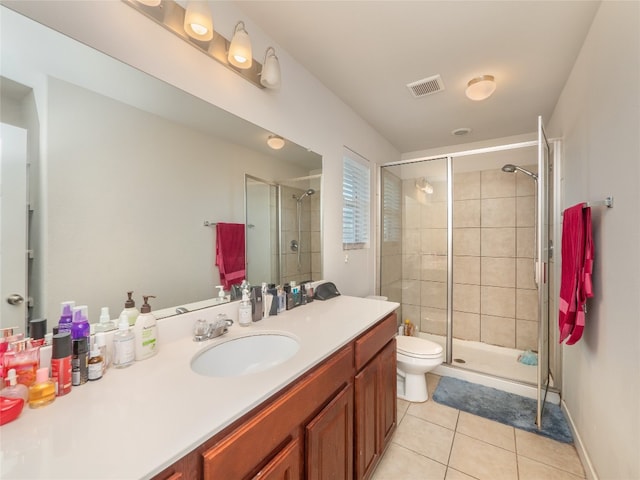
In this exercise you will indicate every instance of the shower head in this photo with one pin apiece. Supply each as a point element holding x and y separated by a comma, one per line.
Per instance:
<point>510,168</point>
<point>311,191</point>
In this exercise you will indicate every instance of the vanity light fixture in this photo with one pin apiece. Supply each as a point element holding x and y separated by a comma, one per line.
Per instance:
<point>481,88</point>
<point>240,48</point>
<point>198,23</point>
<point>275,141</point>
<point>270,76</point>
<point>194,25</point>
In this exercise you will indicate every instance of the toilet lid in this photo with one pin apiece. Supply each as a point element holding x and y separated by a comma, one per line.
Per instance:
<point>418,347</point>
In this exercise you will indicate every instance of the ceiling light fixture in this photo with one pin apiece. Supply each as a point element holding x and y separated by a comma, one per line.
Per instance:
<point>198,23</point>
<point>481,88</point>
<point>240,49</point>
<point>275,141</point>
<point>270,76</point>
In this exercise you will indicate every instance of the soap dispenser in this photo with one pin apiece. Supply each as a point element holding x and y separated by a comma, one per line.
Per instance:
<point>146,331</point>
<point>130,310</point>
<point>221,296</point>
<point>245,311</point>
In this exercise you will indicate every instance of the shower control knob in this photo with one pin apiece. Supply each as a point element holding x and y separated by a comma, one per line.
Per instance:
<point>15,299</point>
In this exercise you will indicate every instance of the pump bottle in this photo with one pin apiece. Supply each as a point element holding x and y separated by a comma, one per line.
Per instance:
<point>245,311</point>
<point>146,331</point>
<point>130,310</point>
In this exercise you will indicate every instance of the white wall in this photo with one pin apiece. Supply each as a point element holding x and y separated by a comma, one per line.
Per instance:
<point>598,117</point>
<point>303,110</point>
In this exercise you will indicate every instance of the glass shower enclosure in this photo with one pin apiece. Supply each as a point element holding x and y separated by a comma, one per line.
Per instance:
<point>464,250</point>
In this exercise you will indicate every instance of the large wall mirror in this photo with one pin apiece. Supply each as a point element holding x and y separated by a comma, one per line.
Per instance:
<point>124,173</point>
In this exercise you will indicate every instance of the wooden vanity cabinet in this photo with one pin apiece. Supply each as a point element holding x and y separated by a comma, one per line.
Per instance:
<point>334,422</point>
<point>375,395</point>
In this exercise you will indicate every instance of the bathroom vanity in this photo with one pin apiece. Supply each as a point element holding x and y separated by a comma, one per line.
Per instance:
<point>326,412</point>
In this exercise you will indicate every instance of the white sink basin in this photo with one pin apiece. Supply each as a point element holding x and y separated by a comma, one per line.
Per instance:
<point>245,355</point>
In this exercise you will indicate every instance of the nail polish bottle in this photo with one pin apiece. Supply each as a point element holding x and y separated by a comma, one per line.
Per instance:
<point>43,392</point>
<point>13,388</point>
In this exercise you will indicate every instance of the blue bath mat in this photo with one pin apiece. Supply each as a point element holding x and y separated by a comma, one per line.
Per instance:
<point>503,407</point>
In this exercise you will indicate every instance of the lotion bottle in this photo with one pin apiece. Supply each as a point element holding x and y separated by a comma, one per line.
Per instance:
<point>146,331</point>
<point>244,311</point>
<point>130,310</point>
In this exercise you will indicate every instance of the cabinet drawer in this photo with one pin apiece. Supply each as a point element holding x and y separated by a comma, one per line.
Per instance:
<point>258,439</point>
<point>374,340</point>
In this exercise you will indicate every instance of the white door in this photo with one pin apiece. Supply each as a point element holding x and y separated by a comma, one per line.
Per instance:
<point>13,223</point>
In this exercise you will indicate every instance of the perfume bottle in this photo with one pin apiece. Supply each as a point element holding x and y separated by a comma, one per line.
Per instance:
<point>43,392</point>
<point>13,388</point>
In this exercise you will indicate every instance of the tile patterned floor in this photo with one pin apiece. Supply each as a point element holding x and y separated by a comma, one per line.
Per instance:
<point>436,442</point>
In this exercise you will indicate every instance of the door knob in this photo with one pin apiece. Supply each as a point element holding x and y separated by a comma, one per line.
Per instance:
<point>15,299</point>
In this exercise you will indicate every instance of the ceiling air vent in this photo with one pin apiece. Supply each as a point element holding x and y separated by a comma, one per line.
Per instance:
<point>426,86</point>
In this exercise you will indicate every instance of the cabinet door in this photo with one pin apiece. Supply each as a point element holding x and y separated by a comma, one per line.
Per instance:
<point>284,466</point>
<point>329,440</point>
<point>367,429</point>
<point>388,393</point>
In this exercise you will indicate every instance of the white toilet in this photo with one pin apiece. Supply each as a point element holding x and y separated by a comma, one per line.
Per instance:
<point>416,356</point>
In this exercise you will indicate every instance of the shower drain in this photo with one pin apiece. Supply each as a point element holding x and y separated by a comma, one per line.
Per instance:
<point>459,360</point>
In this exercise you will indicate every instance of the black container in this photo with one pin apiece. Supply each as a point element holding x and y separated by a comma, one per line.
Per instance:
<point>80,362</point>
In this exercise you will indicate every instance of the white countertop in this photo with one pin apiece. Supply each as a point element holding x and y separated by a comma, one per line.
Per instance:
<point>135,422</point>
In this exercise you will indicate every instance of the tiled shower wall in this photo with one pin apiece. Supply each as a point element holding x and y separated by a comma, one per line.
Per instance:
<point>494,293</point>
<point>310,264</point>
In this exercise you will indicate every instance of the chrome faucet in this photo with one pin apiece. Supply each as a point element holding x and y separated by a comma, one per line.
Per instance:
<point>204,330</point>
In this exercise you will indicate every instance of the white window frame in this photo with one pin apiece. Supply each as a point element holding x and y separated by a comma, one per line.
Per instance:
<point>356,201</point>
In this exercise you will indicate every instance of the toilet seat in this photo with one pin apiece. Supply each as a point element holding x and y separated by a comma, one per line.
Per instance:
<point>418,347</point>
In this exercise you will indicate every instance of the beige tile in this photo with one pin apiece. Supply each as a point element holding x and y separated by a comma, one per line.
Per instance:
<point>466,241</point>
<point>411,292</point>
<point>411,312</point>
<point>432,381</point>
<point>434,241</point>
<point>401,406</point>
<point>526,304</point>
<point>432,267</point>
<point>456,475</point>
<point>498,301</point>
<point>411,215</point>
<point>410,265</point>
<point>525,242</point>
<point>399,463</point>
<point>466,269</point>
<point>531,470</point>
<point>496,183</point>
<point>433,215</point>
<point>435,413</point>
<point>498,272</point>
<point>466,325</point>
<point>391,267</point>
<point>480,428</point>
<point>466,185</point>
<point>424,437</point>
<point>526,335</point>
<point>525,185</point>
<point>433,320</point>
<point>411,240</point>
<point>498,242</point>
<point>525,211</point>
<point>482,460</point>
<point>434,294</point>
<point>498,212</point>
<point>525,273</point>
<point>556,454</point>
<point>498,330</point>
<point>439,188</point>
<point>466,213</point>
<point>466,298</point>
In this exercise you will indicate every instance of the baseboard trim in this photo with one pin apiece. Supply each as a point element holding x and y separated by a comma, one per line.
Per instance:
<point>589,471</point>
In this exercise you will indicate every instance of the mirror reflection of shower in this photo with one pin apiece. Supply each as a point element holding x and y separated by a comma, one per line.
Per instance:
<point>296,245</point>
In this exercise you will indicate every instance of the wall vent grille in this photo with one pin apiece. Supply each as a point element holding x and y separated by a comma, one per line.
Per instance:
<point>426,86</point>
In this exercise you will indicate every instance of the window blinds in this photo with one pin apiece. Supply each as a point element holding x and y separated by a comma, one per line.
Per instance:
<point>391,207</point>
<point>355,201</point>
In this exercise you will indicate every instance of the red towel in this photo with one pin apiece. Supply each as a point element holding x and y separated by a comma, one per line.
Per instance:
<point>577,267</point>
<point>230,253</point>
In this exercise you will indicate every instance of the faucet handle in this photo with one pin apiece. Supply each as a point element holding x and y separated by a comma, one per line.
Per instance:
<point>200,330</point>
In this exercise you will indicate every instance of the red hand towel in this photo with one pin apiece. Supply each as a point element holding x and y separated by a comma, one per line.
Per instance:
<point>230,256</point>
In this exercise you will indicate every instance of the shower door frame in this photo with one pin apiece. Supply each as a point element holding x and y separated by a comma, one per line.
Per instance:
<point>543,212</point>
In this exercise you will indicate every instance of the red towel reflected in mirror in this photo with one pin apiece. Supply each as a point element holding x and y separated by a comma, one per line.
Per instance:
<point>230,253</point>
